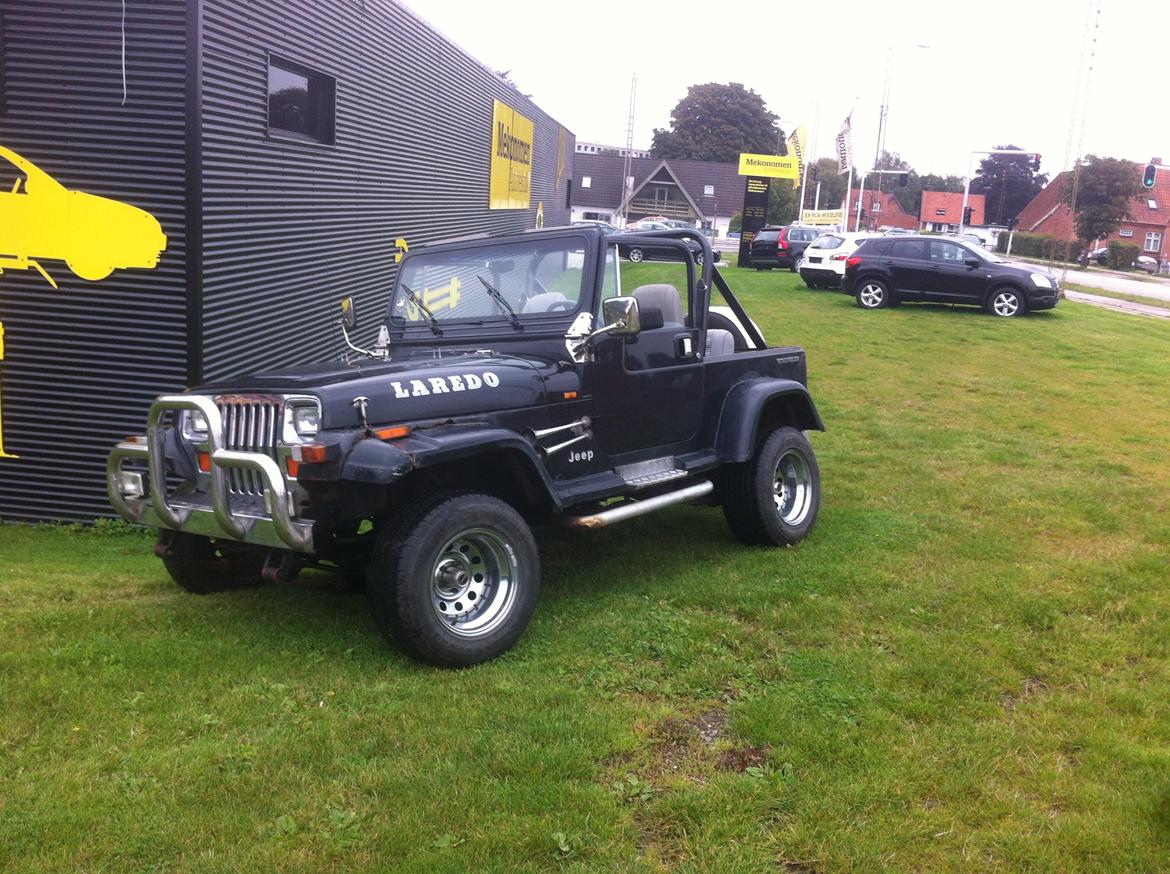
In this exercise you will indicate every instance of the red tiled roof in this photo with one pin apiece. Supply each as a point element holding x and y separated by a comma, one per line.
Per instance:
<point>951,204</point>
<point>889,214</point>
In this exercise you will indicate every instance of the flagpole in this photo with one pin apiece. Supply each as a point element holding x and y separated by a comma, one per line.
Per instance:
<point>848,197</point>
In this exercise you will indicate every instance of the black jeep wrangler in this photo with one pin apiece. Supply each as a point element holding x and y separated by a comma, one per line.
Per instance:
<point>527,378</point>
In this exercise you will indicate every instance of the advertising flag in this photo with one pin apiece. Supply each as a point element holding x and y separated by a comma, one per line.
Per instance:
<point>845,146</point>
<point>797,144</point>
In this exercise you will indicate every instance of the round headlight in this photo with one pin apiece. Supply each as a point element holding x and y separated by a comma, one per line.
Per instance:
<point>306,421</point>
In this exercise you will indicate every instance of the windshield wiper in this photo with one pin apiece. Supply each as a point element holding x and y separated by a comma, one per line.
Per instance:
<point>417,301</point>
<point>503,304</point>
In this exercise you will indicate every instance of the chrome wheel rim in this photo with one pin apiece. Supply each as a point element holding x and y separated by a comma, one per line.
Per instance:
<point>473,582</point>
<point>635,254</point>
<point>792,487</point>
<point>1006,303</point>
<point>872,295</point>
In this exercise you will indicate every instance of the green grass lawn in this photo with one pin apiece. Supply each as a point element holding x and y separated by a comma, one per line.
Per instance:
<point>964,668</point>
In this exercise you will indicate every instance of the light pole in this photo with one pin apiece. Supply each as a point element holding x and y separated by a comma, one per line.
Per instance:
<point>885,111</point>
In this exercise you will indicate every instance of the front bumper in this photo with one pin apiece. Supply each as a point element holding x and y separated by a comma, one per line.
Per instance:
<point>265,522</point>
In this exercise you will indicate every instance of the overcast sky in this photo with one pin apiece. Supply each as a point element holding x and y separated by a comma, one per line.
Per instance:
<point>993,71</point>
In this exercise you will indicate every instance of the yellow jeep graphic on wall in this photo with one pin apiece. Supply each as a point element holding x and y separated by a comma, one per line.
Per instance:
<point>40,219</point>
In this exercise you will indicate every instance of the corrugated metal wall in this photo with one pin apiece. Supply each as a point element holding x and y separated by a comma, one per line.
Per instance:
<point>290,227</point>
<point>82,362</point>
<point>287,228</point>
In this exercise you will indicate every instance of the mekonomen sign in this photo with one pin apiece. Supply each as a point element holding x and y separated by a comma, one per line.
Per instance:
<point>512,135</point>
<point>772,166</point>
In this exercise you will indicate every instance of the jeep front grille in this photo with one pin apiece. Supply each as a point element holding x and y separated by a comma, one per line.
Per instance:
<point>250,424</point>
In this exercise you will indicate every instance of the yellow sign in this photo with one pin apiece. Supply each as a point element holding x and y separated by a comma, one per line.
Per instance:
<point>400,249</point>
<point>823,217</point>
<point>92,235</point>
<point>796,144</point>
<point>512,137</point>
<point>772,166</point>
<point>41,218</point>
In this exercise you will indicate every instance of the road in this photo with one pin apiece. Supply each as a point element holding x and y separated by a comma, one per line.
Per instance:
<point>1121,306</point>
<point>1154,287</point>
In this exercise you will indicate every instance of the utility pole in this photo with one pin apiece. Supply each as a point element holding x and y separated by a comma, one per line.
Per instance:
<point>627,164</point>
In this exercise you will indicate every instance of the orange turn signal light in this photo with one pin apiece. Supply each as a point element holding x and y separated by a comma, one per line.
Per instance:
<point>294,467</point>
<point>204,461</point>
<point>569,395</point>
<point>393,433</point>
<point>311,453</point>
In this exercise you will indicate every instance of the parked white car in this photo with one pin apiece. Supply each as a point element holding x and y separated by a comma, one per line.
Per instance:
<point>823,263</point>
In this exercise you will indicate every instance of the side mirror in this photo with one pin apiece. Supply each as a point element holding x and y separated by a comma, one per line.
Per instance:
<point>972,262</point>
<point>348,314</point>
<point>622,318</point>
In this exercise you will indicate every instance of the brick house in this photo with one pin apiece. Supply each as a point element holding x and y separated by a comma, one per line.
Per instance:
<point>942,211</point>
<point>880,209</point>
<point>1146,226</point>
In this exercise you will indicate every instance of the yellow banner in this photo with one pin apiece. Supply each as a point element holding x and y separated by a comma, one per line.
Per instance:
<point>773,166</point>
<point>511,180</point>
<point>823,217</point>
<point>796,146</point>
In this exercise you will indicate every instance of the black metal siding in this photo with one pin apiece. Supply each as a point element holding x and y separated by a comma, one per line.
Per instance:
<point>292,227</point>
<point>83,362</point>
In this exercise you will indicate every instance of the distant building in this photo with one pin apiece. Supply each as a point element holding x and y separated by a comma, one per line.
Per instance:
<point>703,192</point>
<point>1146,226</point>
<point>942,211</point>
<point>620,151</point>
<point>878,209</point>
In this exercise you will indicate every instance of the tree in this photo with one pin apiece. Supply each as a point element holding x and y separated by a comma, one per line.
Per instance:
<point>1104,192</point>
<point>832,184</point>
<point>783,202</point>
<point>910,197</point>
<point>716,122</point>
<point>1008,183</point>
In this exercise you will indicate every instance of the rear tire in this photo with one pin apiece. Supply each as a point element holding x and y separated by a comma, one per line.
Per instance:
<point>636,255</point>
<point>202,565</point>
<point>872,294</point>
<point>457,580</point>
<point>773,498</point>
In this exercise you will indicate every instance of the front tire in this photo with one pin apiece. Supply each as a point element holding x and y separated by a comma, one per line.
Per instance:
<point>636,255</point>
<point>873,294</point>
<point>1007,303</point>
<point>202,566</point>
<point>773,498</point>
<point>457,581</point>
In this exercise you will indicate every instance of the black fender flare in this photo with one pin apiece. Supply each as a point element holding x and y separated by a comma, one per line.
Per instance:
<point>744,406</point>
<point>383,462</point>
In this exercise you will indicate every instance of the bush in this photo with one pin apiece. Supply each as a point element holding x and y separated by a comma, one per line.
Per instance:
<point>1121,255</point>
<point>736,222</point>
<point>1038,246</point>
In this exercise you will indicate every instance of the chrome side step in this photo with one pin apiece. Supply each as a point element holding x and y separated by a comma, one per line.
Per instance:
<point>644,474</point>
<point>630,508</point>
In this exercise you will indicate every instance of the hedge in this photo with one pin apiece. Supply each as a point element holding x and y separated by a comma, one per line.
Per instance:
<point>1038,246</point>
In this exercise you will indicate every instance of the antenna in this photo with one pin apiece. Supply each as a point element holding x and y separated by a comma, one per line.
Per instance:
<point>627,164</point>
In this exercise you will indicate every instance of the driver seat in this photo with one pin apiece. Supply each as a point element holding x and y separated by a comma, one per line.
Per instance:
<point>661,297</point>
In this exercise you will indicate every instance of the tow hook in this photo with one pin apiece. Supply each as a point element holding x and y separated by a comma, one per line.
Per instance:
<point>280,566</point>
<point>166,540</point>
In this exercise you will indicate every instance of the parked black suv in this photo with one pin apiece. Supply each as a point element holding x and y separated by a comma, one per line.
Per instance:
<point>780,247</point>
<point>891,270</point>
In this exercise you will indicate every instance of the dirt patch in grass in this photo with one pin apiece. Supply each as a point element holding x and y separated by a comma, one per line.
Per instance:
<point>739,759</point>
<point>1030,688</point>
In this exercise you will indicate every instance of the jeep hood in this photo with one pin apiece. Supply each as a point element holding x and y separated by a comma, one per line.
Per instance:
<point>405,390</point>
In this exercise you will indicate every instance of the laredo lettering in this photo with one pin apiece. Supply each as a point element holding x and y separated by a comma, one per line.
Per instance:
<point>417,388</point>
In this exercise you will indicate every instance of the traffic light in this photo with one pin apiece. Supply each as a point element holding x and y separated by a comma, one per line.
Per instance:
<point>903,180</point>
<point>1035,163</point>
<point>1011,223</point>
<point>1150,175</point>
<point>967,215</point>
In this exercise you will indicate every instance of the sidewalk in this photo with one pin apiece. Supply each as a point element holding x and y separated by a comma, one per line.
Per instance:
<point>1112,303</point>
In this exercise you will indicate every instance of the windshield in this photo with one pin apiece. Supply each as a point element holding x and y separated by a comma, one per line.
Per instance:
<point>989,256</point>
<point>492,281</point>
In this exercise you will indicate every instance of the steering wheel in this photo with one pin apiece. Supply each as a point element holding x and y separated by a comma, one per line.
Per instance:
<point>562,306</point>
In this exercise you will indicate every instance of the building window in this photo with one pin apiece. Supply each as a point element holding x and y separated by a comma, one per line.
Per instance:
<point>708,191</point>
<point>300,101</point>
<point>876,206</point>
<point>1153,241</point>
<point>1125,232</point>
<point>940,212</point>
<point>1151,203</point>
<point>586,181</point>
